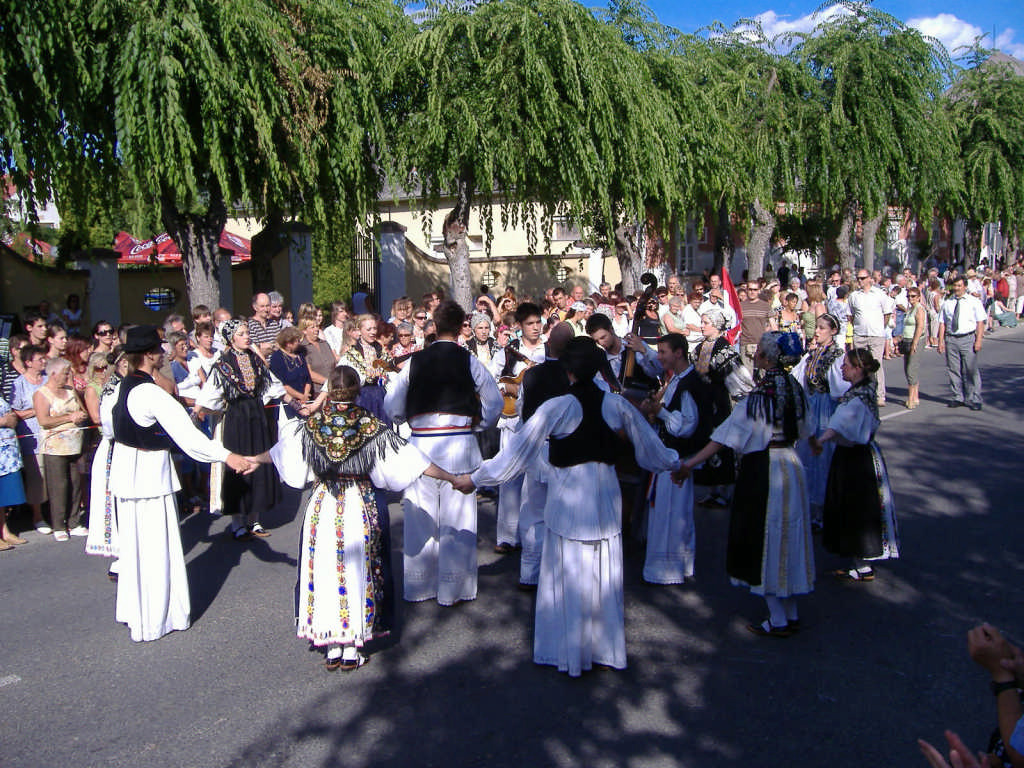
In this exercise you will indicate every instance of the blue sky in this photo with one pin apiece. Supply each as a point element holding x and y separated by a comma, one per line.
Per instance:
<point>954,22</point>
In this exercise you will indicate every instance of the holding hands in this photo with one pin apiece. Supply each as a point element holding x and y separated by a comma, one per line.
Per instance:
<point>463,484</point>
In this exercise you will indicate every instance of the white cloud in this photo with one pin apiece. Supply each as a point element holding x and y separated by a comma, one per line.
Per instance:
<point>953,32</point>
<point>773,24</point>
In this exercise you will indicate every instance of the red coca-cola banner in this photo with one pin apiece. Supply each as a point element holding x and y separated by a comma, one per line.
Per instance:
<point>164,251</point>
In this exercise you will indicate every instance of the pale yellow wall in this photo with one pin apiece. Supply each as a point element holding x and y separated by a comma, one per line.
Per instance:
<point>24,285</point>
<point>509,254</point>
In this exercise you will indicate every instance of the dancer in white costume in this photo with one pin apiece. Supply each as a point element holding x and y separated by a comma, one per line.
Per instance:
<point>671,535</point>
<point>346,451</point>
<point>444,393</point>
<point>770,550</point>
<point>152,589</point>
<point>580,608</point>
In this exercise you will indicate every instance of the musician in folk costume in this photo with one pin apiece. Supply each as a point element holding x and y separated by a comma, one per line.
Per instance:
<point>444,393</point>
<point>345,589</point>
<point>681,413</point>
<point>540,383</point>
<point>148,423</point>
<point>580,607</point>
<point>770,547</point>
<point>647,370</point>
<point>508,364</point>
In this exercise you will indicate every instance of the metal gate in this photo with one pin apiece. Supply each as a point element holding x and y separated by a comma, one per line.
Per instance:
<point>366,266</point>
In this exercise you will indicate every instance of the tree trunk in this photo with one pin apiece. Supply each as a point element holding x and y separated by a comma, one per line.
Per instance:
<point>198,238</point>
<point>265,245</point>
<point>627,251</point>
<point>724,246</point>
<point>760,239</point>
<point>844,238</point>
<point>456,245</point>
<point>870,232</point>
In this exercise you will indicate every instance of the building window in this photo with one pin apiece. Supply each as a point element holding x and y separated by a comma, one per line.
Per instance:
<point>565,229</point>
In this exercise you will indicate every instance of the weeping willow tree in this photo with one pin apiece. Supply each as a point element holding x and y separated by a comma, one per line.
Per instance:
<point>529,104</point>
<point>202,104</point>
<point>882,137</point>
<point>987,105</point>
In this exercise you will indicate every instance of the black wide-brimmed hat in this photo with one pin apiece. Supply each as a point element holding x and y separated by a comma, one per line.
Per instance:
<point>141,338</point>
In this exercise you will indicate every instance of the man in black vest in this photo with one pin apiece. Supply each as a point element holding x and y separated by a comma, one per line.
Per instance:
<point>681,413</point>
<point>540,384</point>
<point>152,587</point>
<point>580,614</point>
<point>445,393</point>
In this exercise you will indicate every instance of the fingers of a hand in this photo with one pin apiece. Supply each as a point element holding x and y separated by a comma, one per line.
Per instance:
<point>932,755</point>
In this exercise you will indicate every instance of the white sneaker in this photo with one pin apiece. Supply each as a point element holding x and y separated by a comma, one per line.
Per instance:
<point>43,528</point>
<point>79,530</point>
<point>60,535</point>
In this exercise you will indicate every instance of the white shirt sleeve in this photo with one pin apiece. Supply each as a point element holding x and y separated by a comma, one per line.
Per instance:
<point>683,422</point>
<point>491,401</point>
<point>149,404</point>
<point>853,422</point>
<point>394,398</point>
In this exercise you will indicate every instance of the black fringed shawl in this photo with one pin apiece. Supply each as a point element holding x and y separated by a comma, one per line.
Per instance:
<point>866,391</point>
<point>344,439</point>
<point>778,399</point>
<point>233,381</point>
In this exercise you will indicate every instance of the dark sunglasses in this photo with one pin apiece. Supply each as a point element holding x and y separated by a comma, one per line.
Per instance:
<point>105,332</point>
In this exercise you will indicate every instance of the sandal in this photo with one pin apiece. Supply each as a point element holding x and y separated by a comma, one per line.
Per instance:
<point>12,539</point>
<point>258,530</point>
<point>852,574</point>
<point>766,629</point>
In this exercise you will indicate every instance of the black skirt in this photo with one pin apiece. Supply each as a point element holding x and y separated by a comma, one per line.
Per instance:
<point>250,429</point>
<point>746,523</point>
<point>852,515</point>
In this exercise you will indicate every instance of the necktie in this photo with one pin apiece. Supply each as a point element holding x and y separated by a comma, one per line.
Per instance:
<point>956,317</point>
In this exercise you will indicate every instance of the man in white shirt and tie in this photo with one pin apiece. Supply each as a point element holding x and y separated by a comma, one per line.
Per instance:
<point>961,332</point>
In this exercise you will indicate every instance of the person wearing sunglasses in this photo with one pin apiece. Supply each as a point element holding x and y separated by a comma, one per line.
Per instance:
<point>103,337</point>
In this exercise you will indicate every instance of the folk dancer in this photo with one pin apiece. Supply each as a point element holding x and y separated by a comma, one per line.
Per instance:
<point>344,574</point>
<point>770,547</point>
<point>540,384</point>
<point>681,413</point>
<point>152,587</point>
<point>444,393</point>
<point>580,607</point>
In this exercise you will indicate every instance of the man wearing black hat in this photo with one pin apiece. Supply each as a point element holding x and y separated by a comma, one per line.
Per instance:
<point>152,589</point>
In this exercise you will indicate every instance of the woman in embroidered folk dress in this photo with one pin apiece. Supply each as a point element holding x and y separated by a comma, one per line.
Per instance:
<point>721,367</point>
<point>361,356</point>
<point>344,578</point>
<point>820,373</point>
<point>770,546</point>
<point>240,385</point>
<point>859,516</point>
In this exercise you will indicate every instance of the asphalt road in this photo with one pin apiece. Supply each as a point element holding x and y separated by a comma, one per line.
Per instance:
<point>876,665</point>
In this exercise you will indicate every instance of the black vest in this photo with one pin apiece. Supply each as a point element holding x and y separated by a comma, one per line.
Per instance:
<point>541,383</point>
<point>126,431</point>
<point>440,382</point>
<point>593,439</point>
<point>701,394</point>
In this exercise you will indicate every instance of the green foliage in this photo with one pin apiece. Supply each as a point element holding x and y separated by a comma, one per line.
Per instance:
<point>530,101</point>
<point>879,136</point>
<point>987,105</point>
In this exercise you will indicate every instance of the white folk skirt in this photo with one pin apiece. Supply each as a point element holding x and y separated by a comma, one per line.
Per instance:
<point>580,607</point>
